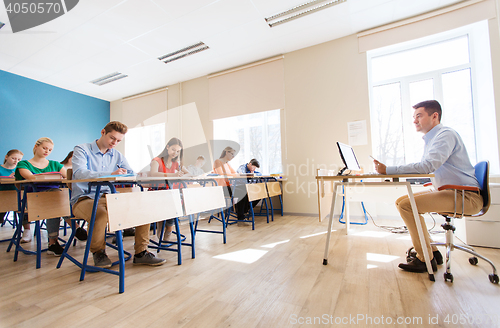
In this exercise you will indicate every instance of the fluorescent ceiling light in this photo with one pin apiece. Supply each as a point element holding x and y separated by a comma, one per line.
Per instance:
<point>108,78</point>
<point>300,10</point>
<point>184,52</point>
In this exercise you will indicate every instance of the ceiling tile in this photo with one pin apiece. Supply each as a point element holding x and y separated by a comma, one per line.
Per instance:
<point>176,8</point>
<point>7,61</point>
<point>170,37</point>
<point>219,16</point>
<point>120,57</point>
<point>132,18</point>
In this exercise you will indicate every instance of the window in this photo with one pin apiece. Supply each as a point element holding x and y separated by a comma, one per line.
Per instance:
<point>259,136</point>
<point>143,144</point>
<point>447,67</point>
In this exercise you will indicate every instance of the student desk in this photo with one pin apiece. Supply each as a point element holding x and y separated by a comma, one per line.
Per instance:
<point>98,183</point>
<point>390,181</point>
<point>152,207</point>
<point>58,207</point>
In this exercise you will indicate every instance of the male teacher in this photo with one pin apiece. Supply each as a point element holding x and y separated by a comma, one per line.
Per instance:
<point>97,159</point>
<point>445,156</point>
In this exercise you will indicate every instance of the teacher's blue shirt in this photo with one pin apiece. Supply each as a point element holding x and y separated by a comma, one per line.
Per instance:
<point>445,156</point>
<point>89,162</point>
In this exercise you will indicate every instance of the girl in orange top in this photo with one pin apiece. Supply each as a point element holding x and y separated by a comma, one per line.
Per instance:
<point>222,167</point>
<point>168,164</point>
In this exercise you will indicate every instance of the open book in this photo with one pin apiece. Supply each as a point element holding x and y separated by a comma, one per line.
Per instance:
<point>6,178</point>
<point>48,175</point>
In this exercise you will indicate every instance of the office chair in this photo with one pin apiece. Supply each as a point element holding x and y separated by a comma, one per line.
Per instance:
<point>482,174</point>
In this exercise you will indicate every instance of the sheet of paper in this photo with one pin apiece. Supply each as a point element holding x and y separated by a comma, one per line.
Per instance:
<point>357,133</point>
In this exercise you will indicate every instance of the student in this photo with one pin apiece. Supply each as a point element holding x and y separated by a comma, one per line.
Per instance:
<point>250,167</point>
<point>221,165</point>
<point>67,162</point>
<point>96,159</point>
<point>168,164</point>
<point>243,205</point>
<point>196,169</point>
<point>40,164</point>
<point>80,233</point>
<point>7,170</point>
<point>445,156</point>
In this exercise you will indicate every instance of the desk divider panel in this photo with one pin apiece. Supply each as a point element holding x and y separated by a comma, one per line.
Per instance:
<point>273,188</point>
<point>197,200</point>
<point>256,191</point>
<point>48,205</point>
<point>127,210</point>
<point>8,200</point>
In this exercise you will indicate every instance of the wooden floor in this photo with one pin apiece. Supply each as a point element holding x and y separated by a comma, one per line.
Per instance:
<point>270,277</point>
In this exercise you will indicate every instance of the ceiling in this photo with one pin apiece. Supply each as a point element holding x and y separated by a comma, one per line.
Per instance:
<point>99,37</point>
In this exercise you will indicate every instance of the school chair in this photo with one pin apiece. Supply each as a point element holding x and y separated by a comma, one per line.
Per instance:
<point>204,199</point>
<point>42,206</point>
<point>9,203</point>
<point>255,192</point>
<point>273,190</point>
<point>482,175</point>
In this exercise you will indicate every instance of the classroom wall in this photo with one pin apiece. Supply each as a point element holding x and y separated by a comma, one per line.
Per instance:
<point>31,110</point>
<point>326,86</point>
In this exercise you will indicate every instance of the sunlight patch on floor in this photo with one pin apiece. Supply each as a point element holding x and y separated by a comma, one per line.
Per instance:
<point>316,234</point>
<point>244,256</point>
<point>274,244</point>
<point>376,234</point>
<point>384,258</point>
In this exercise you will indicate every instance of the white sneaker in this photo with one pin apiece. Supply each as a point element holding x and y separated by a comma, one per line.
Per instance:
<point>167,237</point>
<point>26,238</point>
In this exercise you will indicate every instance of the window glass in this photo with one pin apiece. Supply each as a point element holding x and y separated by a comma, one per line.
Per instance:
<point>457,99</point>
<point>259,137</point>
<point>419,60</point>
<point>386,120</point>
<point>143,144</point>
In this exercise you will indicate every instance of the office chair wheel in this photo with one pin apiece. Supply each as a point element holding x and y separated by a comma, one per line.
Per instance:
<point>473,260</point>
<point>493,278</point>
<point>449,276</point>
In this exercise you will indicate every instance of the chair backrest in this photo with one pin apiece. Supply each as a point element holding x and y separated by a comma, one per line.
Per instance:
<point>8,200</point>
<point>256,191</point>
<point>482,171</point>
<point>273,188</point>
<point>48,205</point>
<point>69,176</point>
<point>197,200</point>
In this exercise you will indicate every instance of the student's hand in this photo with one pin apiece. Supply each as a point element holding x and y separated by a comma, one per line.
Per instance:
<point>119,171</point>
<point>180,173</point>
<point>12,174</point>
<point>379,167</point>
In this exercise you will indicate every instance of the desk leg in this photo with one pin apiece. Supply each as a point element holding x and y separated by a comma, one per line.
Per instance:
<point>38,244</point>
<point>420,229</point>
<point>121,261</point>
<point>90,231</point>
<point>330,223</point>
<point>320,194</point>
<point>347,210</point>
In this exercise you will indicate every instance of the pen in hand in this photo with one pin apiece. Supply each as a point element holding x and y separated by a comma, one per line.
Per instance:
<point>120,170</point>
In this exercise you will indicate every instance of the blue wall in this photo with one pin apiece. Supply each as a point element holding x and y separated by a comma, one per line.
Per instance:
<point>30,110</point>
